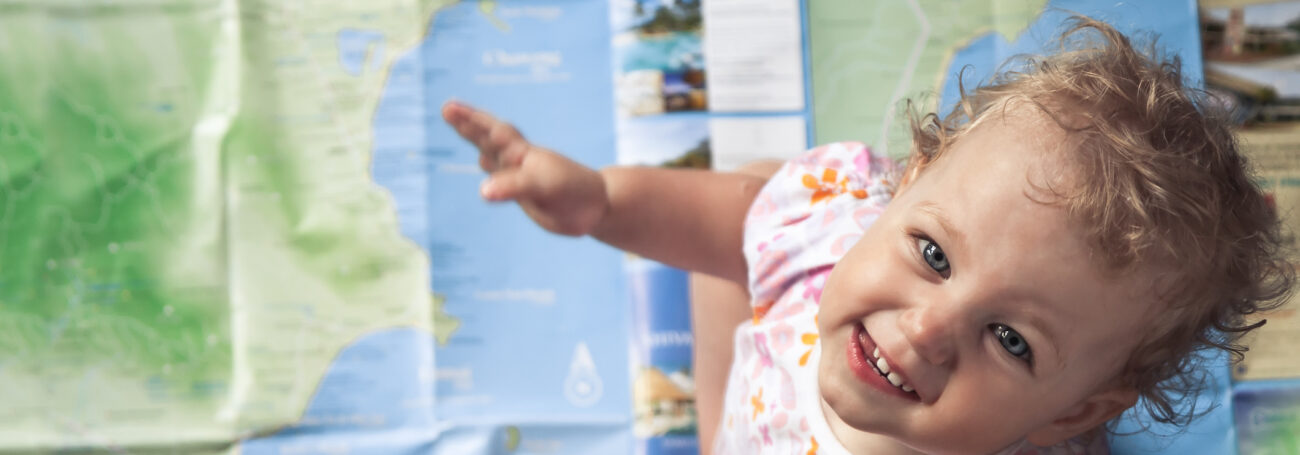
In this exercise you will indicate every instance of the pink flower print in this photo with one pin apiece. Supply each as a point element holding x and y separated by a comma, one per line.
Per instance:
<point>787,396</point>
<point>771,269</point>
<point>783,337</point>
<point>841,246</point>
<point>815,284</point>
<point>762,206</point>
<point>766,432</point>
<point>788,311</point>
<point>828,217</point>
<point>795,219</point>
<point>861,161</point>
<point>780,420</point>
<point>760,345</point>
<point>745,348</point>
<point>866,215</point>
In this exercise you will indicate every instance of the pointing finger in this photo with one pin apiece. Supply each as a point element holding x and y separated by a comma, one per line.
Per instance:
<point>460,117</point>
<point>504,185</point>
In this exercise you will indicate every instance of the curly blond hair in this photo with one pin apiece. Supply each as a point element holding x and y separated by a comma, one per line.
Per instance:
<point>1163,187</point>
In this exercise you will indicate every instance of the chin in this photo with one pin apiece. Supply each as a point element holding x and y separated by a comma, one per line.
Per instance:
<point>840,392</point>
<point>858,412</point>
<point>835,391</point>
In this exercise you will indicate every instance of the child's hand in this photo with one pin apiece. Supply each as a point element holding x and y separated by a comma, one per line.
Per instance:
<point>559,194</point>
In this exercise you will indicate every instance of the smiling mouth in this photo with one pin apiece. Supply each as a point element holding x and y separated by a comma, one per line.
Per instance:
<point>872,368</point>
<point>882,368</point>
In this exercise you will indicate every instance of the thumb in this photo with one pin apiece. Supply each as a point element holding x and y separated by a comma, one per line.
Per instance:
<point>505,185</point>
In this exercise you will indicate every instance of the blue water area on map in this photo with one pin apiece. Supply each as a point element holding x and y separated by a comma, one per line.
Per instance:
<point>377,398</point>
<point>529,302</point>
<point>525,298</point>
<point>539,361</point>
<point>354,47</point>
<point>1173,21</point>
<point>675,51</point>
<point>401,159</point>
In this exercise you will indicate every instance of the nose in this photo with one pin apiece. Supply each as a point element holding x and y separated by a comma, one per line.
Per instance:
<point>930,330</point>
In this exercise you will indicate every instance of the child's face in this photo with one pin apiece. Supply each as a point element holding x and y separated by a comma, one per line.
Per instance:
<point>986,300</point>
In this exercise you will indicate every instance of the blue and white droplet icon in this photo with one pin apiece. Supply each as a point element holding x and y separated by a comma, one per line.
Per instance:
<point>583,387</point>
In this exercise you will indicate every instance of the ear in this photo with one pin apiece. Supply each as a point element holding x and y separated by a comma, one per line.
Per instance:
<point>1085,415</point>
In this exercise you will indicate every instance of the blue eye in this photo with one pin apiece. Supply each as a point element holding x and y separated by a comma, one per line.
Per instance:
<point>1012,341</point>
<point>933,255</point>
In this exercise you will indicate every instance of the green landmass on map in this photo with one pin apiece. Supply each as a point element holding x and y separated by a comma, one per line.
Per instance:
<point>444,325</point>
<point>861,79</point>
<point>188,229</point>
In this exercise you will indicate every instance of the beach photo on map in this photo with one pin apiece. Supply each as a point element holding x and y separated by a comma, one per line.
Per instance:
<point>659,59</point>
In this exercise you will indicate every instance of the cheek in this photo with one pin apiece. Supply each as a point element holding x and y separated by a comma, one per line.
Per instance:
<point>837,299</point>
<point>987,413</point>
<point>995,401</point>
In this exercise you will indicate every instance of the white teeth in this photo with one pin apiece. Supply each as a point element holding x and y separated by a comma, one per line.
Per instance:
<point>883,365</point>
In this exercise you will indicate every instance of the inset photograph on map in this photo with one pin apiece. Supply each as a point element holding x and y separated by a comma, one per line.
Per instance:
<point>658,56</point>
<point>1252,59</point>
<point>668,141</point>
<point>664,402</point>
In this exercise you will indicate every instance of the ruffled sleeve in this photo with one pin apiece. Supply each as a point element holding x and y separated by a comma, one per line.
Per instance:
<point>808,215</point>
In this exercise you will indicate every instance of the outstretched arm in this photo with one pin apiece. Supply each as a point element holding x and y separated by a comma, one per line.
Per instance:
<point>690,219</point>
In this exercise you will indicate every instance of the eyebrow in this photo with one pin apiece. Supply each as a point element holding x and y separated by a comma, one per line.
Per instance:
<point>932,209</point>
<point>1050,334</point>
